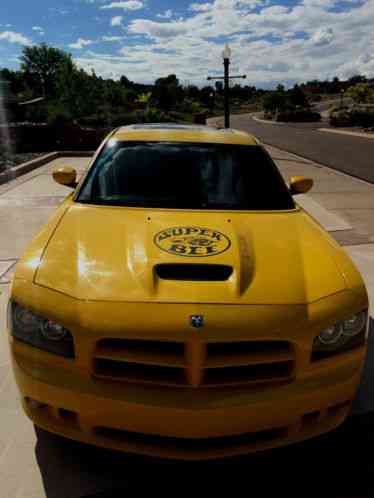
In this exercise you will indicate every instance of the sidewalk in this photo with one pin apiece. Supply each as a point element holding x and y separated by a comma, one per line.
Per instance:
<point>36,467</point>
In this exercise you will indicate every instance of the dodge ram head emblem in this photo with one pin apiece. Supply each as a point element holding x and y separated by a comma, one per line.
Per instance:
<point>197,321</point>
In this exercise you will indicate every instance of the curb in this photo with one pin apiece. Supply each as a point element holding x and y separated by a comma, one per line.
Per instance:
<point>22,169</point>
<point>350,133</point>
<point>269,121</point>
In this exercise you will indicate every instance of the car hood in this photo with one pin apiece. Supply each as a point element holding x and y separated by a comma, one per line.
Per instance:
<point>113,253</point>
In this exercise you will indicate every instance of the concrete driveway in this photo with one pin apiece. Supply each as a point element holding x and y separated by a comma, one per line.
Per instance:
<point>34,464</point>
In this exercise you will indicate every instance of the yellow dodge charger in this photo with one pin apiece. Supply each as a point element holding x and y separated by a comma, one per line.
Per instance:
<point>181,304</point>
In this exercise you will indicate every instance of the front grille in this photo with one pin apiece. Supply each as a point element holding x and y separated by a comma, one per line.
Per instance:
<point>195,363</point>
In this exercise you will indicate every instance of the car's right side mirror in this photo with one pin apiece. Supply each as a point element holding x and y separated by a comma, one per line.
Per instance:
<point>65,176</point>
<point>300,185</point>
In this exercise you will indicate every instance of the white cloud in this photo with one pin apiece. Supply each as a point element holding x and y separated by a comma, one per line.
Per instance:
<point>39,30</point>
<point>201,7</point>
<point>128,5</point>
<point>13,37</point>
<point>271,43</point>
<point>81,43</point>
<point>168,14</point>
<point>158,29</point>
<point>323,36</point>
<point>116,21</point>
<point>112,38</point>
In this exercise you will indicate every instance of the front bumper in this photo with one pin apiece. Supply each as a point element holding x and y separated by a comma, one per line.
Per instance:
<point>194,426</point>
<point>189,421</point>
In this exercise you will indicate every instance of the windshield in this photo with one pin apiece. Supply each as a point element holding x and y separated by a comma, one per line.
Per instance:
<point>186,176</point>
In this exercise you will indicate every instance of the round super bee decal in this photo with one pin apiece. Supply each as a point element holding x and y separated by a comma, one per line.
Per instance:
<point>192,241</point>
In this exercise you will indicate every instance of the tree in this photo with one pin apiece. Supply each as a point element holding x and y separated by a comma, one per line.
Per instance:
<point>219,87</point>
<point>298,98</point>
<point>335,85</point>
<point>361,93</point>
<point>40,63</point>
<point>167,92</point>
<point>275,101</point>
<point>193,92</point>
<point>357,78</point>
<point>16,81</point>
<point>125,82</point>
<point>207,96</point>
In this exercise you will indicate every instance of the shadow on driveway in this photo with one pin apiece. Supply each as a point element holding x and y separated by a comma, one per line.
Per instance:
<point>338,464</point>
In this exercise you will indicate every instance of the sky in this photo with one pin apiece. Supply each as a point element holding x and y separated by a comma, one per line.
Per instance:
<point>272,41</point>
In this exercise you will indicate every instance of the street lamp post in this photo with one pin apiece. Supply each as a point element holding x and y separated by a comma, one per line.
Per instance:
<point>226,54</point>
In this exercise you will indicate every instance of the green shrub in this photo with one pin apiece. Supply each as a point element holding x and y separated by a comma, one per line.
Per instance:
<point>268,115</point>
<point>364,118</point>
<point>58,116</point>
<point>125,119</point>
<point>153,115</point>
<point>341,118</point>
<point>298,116</point>
<point>96,120</point>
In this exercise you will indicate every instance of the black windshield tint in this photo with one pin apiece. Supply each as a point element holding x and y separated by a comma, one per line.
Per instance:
<point>186,176</point>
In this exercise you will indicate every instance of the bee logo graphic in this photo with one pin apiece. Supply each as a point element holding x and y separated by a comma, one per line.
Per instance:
<point>192,241</point>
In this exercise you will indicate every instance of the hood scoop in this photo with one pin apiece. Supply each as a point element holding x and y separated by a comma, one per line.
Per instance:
<point>193,272</point>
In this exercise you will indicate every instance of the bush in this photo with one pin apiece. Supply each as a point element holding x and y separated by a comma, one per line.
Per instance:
<point>125,119</point>
<point>57,116</point>
<point>153,115</point>
<point>354,117</point>
<point>299,116</point>
<point>341,118</point>
<point>96,120</point>
<point>364,118</point>
<point>268,115</point>
<point>199,119</point>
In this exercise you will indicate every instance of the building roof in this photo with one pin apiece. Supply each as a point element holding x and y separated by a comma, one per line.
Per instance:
<point>165,132</point>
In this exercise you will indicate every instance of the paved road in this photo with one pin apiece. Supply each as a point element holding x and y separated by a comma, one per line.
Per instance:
<point>350,154</point>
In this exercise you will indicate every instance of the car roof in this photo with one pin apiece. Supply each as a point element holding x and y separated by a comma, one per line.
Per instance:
<point>170,132</point>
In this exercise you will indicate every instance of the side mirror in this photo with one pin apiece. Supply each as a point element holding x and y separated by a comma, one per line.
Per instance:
<point>300,185</point>
<point>65,176</point>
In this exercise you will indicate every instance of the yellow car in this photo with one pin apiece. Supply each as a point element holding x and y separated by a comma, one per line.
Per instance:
<point>179,303</point>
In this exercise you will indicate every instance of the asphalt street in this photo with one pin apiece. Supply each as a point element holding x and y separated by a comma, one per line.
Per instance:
<point>351,154</point>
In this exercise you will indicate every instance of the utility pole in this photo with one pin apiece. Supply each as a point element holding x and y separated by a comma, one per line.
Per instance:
<point>226,54</point>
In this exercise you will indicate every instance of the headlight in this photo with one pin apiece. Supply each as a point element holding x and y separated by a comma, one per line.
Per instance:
<point>28,327</point>
<point>342,336</point>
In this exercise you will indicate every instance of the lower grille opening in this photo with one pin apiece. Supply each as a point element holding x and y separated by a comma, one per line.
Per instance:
<point>339,409</point>
<point>188,444</point>
<point>35,404</point>
<point>311,418</point>
<point>194,272</point>
<point>67,415</point>
<point>248,374</point>
<point>134,372</point>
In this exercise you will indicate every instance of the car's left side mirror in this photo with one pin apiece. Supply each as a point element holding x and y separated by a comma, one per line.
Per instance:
<point>300,185</point>
<point>65,176</point>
